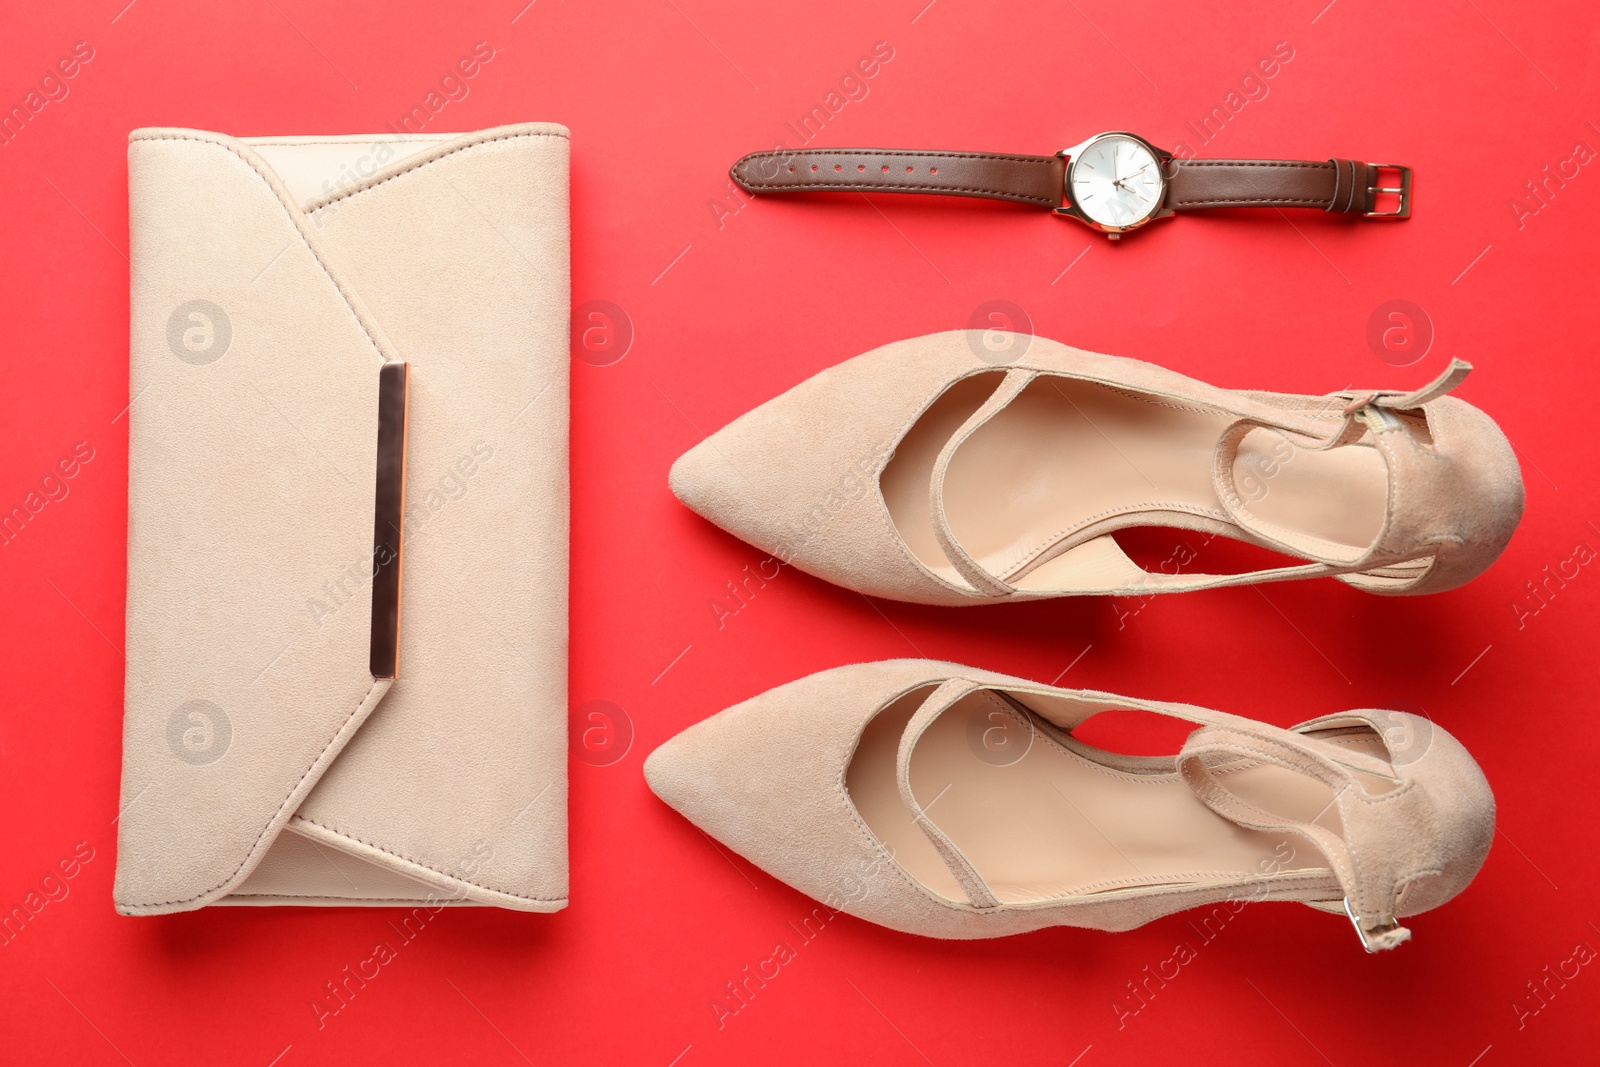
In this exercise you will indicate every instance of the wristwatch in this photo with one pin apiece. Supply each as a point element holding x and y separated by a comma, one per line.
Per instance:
<point>1113,182</point>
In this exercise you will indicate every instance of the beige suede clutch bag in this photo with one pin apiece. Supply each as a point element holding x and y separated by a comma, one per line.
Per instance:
<point>303,725</point>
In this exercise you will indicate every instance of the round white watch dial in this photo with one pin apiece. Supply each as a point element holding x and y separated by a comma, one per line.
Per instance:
<point>1116,181</point>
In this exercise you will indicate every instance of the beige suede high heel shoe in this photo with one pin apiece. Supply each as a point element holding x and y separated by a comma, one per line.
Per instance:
<point>920,472</point>
<point>946,801</point>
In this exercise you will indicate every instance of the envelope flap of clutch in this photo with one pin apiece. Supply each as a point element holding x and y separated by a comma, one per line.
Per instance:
<point>273,280</point>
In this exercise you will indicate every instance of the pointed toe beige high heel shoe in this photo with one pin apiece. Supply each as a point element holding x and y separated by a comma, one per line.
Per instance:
<point>955,803</point>
<point>920,472</point>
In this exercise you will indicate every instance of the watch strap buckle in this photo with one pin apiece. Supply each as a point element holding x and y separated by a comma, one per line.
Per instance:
<point>1402,209</point>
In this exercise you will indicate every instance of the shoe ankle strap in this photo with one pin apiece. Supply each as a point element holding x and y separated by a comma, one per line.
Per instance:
<point>1452,376</point>
<point>1381,843</point>
<point>1400,556</point>
<point>1420,476</point>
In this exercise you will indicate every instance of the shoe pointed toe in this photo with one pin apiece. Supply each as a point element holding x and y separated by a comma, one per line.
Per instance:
<point>766,778</point>
<point>749,774</point>
<point>798,476</point>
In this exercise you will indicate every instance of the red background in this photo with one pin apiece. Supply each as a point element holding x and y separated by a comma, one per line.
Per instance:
<point>728,309</point>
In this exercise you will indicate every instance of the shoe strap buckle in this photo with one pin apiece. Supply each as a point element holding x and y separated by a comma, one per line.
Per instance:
<point>1379,936</point>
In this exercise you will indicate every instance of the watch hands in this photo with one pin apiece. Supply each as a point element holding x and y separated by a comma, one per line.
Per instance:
<point>1119,182</point>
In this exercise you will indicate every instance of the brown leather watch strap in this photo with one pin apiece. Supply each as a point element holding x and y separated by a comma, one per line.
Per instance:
<point>1342,186</point>
<point>1035,180</point>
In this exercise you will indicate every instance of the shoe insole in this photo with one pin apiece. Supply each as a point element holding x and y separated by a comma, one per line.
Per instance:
<point>1041,818</point>
<point>1066,453</point>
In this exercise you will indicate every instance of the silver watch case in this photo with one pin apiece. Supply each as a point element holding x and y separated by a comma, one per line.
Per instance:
<point>1069,206</point>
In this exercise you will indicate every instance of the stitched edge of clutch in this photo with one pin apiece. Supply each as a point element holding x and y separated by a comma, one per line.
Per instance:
<point>457,879</point>
<point>276,816</point>
<point>317,205</point>
<point>356,308</point>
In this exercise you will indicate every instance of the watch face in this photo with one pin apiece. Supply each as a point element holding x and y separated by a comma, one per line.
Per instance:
<point>1116,180</point>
